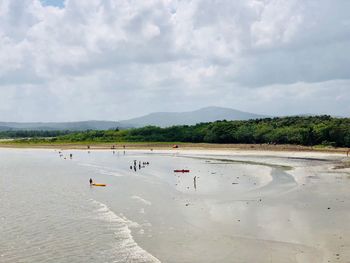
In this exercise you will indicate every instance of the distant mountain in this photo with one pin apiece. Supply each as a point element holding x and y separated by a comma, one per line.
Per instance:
<point>208,114</point>
<point>161,119</point>
<point>72,126</point>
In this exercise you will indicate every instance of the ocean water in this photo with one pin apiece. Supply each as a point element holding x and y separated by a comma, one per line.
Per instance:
<point>225,207</point>
<point>49,213</point>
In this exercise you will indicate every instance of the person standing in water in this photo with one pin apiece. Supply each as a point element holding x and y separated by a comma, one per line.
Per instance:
<point>90,181</point>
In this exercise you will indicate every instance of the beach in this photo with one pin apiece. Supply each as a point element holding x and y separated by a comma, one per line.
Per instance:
<point>169,145</point>
<point>234,205</point>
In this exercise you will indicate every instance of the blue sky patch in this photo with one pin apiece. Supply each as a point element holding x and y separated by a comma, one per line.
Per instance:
<point>57,3</point>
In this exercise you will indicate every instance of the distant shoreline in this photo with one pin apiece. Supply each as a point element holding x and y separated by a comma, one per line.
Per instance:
<point>169,145</point>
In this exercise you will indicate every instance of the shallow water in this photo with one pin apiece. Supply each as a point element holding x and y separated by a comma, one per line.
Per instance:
<point>49,213</point>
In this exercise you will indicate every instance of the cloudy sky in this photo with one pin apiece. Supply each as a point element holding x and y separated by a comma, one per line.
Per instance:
<point>116,59</point>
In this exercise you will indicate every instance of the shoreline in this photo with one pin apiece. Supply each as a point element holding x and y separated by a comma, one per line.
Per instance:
<point>169,146</point>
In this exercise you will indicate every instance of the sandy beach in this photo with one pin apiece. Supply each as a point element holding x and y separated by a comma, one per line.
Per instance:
<point>169,146</point>
<point>233,206</point>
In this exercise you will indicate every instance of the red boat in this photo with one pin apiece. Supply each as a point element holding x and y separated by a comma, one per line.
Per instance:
<point>181,171</point>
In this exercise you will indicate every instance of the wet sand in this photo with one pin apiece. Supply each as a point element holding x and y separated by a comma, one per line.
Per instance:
<point>245,206</point>
<point>169,146</point>
<point>294,207</point>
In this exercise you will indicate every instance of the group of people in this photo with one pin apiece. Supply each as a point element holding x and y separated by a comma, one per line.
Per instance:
<point>134,166</point>
<point>61,155</point>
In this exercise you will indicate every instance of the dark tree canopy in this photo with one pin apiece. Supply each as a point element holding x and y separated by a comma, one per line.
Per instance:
<point>316,130</point>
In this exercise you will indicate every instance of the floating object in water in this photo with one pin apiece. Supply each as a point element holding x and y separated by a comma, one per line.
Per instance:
<point>181,171</point>
<point>99,185</point>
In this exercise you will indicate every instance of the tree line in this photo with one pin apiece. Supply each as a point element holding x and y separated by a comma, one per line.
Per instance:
<point>313,130</point>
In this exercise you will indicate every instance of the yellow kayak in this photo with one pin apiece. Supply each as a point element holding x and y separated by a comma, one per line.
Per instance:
<point>99,184</point>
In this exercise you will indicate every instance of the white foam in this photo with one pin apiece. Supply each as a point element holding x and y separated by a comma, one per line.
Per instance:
<point>102,170</point>
<point>89,165</point>
<point>128,250</point>
<point>105,172</point>
<point>141,200</point>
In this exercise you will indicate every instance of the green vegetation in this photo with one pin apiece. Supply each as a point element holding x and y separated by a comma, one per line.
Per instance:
<point>317,130</point>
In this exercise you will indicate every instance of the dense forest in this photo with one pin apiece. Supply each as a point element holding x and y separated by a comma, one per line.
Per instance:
<point>316,130</point>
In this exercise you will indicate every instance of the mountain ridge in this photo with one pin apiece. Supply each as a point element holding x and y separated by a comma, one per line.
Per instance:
<point>161,119</point>
<point>73,126</point>
<point>207,114</point>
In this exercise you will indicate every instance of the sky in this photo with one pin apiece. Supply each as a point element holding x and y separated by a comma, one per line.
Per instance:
<point>116,59</point>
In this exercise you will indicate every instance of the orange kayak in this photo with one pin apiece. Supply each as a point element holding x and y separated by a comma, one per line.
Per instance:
<point>99,184</point>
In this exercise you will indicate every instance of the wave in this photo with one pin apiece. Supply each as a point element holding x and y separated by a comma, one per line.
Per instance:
<point>126,248</point>
<point>141,200</point>
<point>102,169</point>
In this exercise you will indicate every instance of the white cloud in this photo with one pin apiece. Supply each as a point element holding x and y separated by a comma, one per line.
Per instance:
<point>113,59</point>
